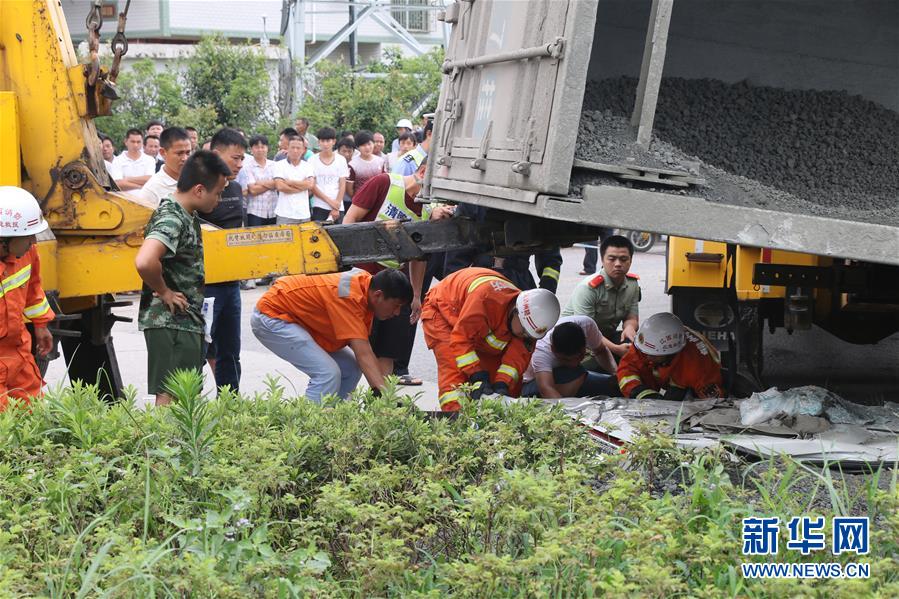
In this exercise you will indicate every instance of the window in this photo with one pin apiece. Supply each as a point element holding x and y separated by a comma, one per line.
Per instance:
<point>416,20</point>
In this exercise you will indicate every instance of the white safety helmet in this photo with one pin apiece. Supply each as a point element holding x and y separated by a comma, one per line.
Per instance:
<point>20,214</point>
<point>661,335</point>
<point>538,311</point>
<point>404,123</point>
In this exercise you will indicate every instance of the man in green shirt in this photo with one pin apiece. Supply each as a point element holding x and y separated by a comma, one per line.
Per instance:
<point>170,262</point>
<point>611,296</point>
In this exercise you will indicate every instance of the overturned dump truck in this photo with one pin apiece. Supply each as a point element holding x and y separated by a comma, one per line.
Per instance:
<point>762,136</point>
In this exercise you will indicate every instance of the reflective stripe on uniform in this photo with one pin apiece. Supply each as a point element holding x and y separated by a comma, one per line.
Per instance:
<point>485,279</point>
<point>394,208</point>
<point>466,359</point>
<point>551,273</point>
<point>509,371</point>
<point>346,281</point>
<point>450,396</point>
<point>495,342</point>
<point>15,280</point>
<point>628,379</point>
<point>37,310</point>
<point>645,392</point>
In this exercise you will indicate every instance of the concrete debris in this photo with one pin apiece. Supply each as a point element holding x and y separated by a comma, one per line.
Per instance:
<point>815,432</point>
<point>824,153</point>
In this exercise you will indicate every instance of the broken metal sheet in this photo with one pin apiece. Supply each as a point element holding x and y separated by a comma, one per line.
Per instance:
<point>706,423</point>
<point>880,450</point>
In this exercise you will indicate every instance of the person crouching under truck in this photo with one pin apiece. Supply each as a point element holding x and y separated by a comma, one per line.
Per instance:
<point>667,356</point>
<point>310,320</point>
<point>23,298</point>
<point>482,330</point>
<point>556,368</point>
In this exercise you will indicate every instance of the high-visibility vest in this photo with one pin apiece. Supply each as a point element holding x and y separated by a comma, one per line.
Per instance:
<point>416,154</point>
<point>394,208</point>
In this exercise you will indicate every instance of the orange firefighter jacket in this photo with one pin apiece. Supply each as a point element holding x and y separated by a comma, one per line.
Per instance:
<point>466,316</point>
<point>697,368</point>
<point>22,298</point>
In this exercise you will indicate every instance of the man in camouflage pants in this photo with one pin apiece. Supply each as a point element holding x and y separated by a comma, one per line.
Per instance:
<point>170,262</point>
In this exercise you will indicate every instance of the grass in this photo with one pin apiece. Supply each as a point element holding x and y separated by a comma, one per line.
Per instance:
<point>273,496</point>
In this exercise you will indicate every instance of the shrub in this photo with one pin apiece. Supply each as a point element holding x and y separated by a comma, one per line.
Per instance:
<point>266,496</point>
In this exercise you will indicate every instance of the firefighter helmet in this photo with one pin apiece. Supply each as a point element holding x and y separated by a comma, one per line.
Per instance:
<point>661,335</point>
<point>538,311</point>
<point>20,214</point>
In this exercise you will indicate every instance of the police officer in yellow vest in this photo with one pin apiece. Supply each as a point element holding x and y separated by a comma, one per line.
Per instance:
<point>412,160</point>
<point>391,196</point>
<point>611,296</point>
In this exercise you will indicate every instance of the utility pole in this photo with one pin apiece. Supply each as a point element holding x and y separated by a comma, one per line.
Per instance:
<point>354,46</point>
<point>297,47</point>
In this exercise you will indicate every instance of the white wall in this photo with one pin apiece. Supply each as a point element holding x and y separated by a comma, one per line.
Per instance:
<point>233,18</point>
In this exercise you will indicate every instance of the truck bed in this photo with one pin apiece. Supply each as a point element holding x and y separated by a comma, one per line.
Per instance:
<point>775,121</point>
<point>809,152</point>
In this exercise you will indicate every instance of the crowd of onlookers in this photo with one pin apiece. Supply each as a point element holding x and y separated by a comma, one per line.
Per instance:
<point>273,179</point>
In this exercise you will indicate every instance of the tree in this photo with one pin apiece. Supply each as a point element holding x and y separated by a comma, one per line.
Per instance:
<point>377,97</point>
<point>145,94</point>
<point>232,80</point>
<point>222,84</point>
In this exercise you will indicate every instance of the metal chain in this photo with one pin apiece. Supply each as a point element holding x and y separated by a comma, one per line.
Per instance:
<point>94,22</point>
<point>119,44</point>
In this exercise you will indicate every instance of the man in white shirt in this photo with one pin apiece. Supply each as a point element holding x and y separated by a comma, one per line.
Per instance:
<point>107,148</point>
<point>294,178</point>
<point>331,172</point>
<point>175,149</point>
<point>556,370</point>
<point>135,166</point>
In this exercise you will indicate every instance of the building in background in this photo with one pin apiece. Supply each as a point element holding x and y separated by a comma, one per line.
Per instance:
<point>354,32</point>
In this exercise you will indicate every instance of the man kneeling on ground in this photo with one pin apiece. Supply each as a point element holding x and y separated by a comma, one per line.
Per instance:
<point>556,369</point>
<point>667,356</point>
<point>310,320</point>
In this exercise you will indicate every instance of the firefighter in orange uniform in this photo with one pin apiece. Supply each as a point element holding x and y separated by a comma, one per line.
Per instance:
<point>481,329</point>
<point>23,298</point>
<point>668,356</point>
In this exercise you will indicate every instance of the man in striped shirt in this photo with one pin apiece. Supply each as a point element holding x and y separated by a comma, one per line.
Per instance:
<point>258,183</point>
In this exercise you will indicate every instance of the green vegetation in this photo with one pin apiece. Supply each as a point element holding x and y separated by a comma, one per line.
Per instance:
<point>225,84</point>
<point>222,84</point>
<point>375,98</point>
<point>269,496</point>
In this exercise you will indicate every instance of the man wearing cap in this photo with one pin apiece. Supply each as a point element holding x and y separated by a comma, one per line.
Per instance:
<point>23,297</point>
<point>482,330</point>
<point>402,126</point>
<point>667,356</point>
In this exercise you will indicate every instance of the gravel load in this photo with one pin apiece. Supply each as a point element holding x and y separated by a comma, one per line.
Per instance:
<point>812,152</point>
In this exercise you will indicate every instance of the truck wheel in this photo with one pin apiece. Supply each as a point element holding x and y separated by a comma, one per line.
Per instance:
<point>708,311</point>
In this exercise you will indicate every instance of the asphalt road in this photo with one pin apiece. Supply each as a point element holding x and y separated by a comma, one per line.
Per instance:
<point>866,373</point>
